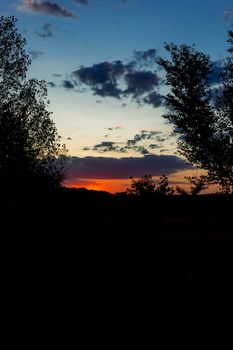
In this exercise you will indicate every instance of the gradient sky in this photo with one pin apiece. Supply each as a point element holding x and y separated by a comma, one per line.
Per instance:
<point>98,58</point>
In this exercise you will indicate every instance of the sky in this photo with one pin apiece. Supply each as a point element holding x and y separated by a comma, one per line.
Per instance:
<point>98,58</point>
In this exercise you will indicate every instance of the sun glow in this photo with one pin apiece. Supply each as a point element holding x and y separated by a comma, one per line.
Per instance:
<point>109,185</point>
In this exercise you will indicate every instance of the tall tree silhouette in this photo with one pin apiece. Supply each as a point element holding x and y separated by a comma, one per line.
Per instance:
<point>29,142</point>
<point>202,115</point>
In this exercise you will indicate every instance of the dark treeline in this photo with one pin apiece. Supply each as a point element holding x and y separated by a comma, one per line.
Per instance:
<point>86,265</point>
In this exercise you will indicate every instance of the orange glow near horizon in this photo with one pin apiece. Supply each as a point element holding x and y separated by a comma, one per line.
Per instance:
<point>109,185</point>
<point>120,185</point>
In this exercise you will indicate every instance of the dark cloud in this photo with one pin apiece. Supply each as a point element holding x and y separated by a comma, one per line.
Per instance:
<point>67,84</point>
<point>51,84</point>
<point>46,8</point>
<point>102,78</point>
<point>35,54</point>
<point>81,2</point>
<point>101,73</point>
<point>141,149</point>
<point>145,135</point>
<point>107,90</point>
<point>119,80</point>
<point>114,168</point>
<point>145,58</point>
<point>154,99</point>
<point>131,144</point>
<point>108,146</point>
<point>140,82</point>
<point>159,138</point>
<point>154,146</point>
<point>46,31</point>
<point>57,75</point>
<point>117,127</point>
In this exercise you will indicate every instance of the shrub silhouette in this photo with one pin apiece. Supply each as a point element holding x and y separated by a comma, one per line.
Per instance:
<point>141,187</point>
<point>29,142</point>
<point>147,186</point>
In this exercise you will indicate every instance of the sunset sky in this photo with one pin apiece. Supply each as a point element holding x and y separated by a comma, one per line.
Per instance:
<point>98,58</point>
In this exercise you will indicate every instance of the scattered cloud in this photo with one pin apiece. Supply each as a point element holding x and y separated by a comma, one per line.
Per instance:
<point>154,99</point>
<point>131,144</point>
<point>140,82</point>
<point>145,135</point>
<point>46,31</point>
<point>136,79</point>
<point>108,146</point>
<point>154,146</point>
<point>51,84</point>
<point>46,8</point>
<point>35,54</point>
<point>145,58</point>
<point>115,168</point>
<point>117,127</point>
<point>67,84</point>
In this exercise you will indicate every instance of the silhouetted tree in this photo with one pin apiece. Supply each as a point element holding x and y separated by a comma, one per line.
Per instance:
<point>163,186</point>
<point>198,184</point>
<point>202,117</point>
<point>29,142</point>
<point>141,187</point>
<point>147,186</point>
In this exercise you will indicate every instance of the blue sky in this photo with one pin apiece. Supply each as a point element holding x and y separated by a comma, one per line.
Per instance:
<point>105,120</point>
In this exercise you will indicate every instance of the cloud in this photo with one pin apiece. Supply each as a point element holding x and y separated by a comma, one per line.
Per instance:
<point>46,31</point>
<point>145,135</point>
<point>81,2</point>
<point>154,146</point>
<point>51,84</point>
<point>35,54</point>
<point>145,58</point>
<point>115,168</point>
<point>109,146</point>
<point>154,99</point>
<point>122,80</point>
<point>131,144</point>
<point>67,84</point>
<point>101,73</point>
<point>102,78</point>
<point>139,82</point>
<point>228,13</point>
<point>46,8</point>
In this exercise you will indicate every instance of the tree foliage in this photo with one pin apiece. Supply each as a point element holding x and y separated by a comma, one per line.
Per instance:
<point>141,187</point>
<point>29,142</point>
<point>202,117</point>
<point>146,186</point>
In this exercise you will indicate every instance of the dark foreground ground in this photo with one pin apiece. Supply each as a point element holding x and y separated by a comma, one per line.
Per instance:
<point>81,269</point>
